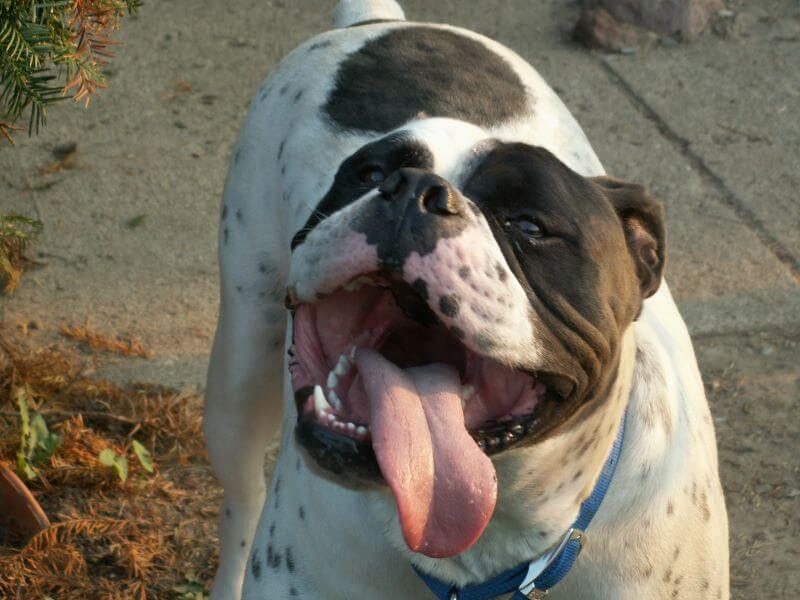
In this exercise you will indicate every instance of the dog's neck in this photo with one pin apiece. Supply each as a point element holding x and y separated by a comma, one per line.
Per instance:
<point>541,488</point>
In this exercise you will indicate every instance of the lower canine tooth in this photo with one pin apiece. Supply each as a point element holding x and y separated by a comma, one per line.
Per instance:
<point>334,398</point>
<point>320,403</point>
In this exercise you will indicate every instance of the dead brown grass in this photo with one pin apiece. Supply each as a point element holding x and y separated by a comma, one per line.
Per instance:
<point>97,342</point>
<point>144,538</point>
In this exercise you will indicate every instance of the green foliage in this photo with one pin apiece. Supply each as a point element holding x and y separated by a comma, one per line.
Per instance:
<point>109,458</point>
<point>191,589</point>
<point>50,50</point>
<point>144,457</point>
<point>37,444</point>
<point>119,463</point>
<point>15,234</point>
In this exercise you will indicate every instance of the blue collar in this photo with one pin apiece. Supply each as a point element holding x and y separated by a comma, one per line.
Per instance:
<point>531,580</point>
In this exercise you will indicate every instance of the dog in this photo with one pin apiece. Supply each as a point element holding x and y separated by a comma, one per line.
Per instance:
<point>462,324</point>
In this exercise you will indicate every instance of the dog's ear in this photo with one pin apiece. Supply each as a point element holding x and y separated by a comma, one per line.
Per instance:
<point>642,219</point>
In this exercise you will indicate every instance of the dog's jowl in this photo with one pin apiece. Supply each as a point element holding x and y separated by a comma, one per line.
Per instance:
<point>484,384</point>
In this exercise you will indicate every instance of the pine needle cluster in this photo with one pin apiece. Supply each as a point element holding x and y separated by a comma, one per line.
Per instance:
<point>51,50</point>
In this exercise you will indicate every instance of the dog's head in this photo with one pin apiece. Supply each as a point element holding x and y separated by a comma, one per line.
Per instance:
<point>455,298</point>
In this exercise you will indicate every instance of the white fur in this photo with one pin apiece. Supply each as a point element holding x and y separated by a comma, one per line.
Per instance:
<point>347,544</point>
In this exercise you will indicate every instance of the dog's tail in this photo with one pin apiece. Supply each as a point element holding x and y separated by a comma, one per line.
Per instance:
<point>357,12</point>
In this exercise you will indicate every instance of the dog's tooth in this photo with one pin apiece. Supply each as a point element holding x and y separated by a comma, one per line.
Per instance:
<point>343,366</point>
<point>334,399</point>
<point>351,427</point>
<point>332,380</point>
<point>320,403</point>
<point>352,354</point>
<point>361,430</point>
<point>467,391</point>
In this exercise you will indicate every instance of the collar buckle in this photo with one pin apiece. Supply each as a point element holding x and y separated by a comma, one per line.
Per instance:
<point>538,566</point>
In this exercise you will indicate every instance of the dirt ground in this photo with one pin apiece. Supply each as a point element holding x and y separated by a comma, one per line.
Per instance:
<point>753,385</point>
<point>710,127</point>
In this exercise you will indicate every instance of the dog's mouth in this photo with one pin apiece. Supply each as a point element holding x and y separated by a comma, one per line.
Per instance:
<point>385,392</point>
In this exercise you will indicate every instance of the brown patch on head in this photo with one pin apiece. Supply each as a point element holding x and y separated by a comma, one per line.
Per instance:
<point>643,221</point>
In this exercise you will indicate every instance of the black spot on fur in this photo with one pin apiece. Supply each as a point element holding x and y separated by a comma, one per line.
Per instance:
<point>255,564</point>
<point>413,70</point>
<point>449,305</point>
<point>224,212</point>
<point>298,95</point>
<point>273,558</point>
<point>502,274</point>
<point>319,45</point>
<point>274,316</point>
<point>670,508</point>
<point>284,89</point>
<point>302,513</point>
<point>463,272</point>
<point>577,475</point>
<point>238,215</point>
<point>281,148</point>
<point>283,169</point>
<point>272,529</point>
<point>421,287</point>
<point>237,155</point>
<point>242,543</point>
<point>225,234</point>
<point>277,341</point>
<point>228,512</point>
<point>484,343</point>
<point>239,289</point>
<point>292,591</point>
<point>290,560</point>
<point>458,332</point>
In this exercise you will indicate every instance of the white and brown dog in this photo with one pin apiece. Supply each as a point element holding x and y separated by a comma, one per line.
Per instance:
<point>474,313</point>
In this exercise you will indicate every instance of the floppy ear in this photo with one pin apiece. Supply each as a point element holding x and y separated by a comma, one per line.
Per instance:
<point>642,220</point>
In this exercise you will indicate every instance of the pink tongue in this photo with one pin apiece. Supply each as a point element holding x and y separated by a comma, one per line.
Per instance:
<point>444,485</point>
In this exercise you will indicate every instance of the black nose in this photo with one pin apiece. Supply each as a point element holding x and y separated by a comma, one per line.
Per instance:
<point>432,193</point>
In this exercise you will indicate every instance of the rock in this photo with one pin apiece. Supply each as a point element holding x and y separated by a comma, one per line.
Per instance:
<point>687,18</point>
<point>596,28</point>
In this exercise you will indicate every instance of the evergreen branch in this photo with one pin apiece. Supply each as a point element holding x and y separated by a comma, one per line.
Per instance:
<point>50,49</point>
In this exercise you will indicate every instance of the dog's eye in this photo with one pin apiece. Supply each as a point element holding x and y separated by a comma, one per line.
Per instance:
<point>527,225</point>
<point>371,174</point>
